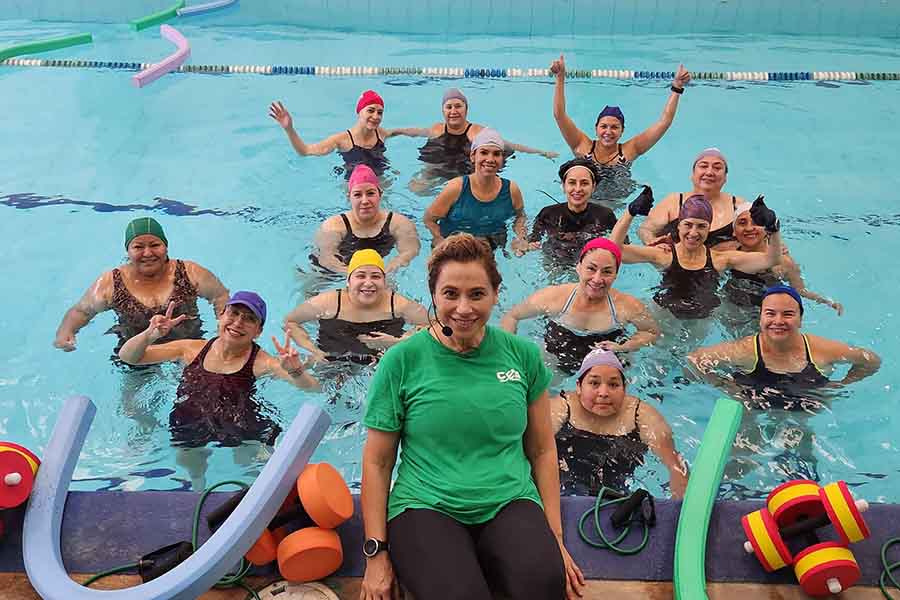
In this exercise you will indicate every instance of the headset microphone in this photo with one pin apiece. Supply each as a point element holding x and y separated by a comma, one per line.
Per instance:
<point>445,329</point>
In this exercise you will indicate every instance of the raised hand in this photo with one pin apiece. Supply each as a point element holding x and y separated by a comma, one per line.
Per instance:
<point>278,112</point>
<point>558,67</point>
<point>65,342</point>
<point>643,203</point>
<point>682,77</point>
<point>764,216</point>
<point>161,325</point>
<point>288,357</point>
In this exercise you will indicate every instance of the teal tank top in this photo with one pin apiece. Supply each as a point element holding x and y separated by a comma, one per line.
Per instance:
<point>470,215</point>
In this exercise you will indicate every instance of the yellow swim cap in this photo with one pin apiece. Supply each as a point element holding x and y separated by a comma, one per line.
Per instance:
<point>362,258</point>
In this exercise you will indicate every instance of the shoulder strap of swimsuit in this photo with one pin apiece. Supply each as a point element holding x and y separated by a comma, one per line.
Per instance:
<point>733,201</point>
<point>351,137</point>
<point>569,301</point>
<point>621,154</point>
<point>809,357</point>
<point>182,280</point>
<point>387,222</point>
<point>637,406</point>
<point>202,355</point>
<point>247,369</point>
<point>117,280</point>
<point>612,310</point>
<point>377,137</point>
<point>347,223</point>
<point>757,351</point>
<point>464,132</point>
<point>565,398</point>
<point>392,304</point>
<point>680,200</point>
<point>593,145</point>
<point>338,305</point>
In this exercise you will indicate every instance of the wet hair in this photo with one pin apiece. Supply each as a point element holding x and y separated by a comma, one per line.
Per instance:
<point>463,248</point>
<point>579,162</point>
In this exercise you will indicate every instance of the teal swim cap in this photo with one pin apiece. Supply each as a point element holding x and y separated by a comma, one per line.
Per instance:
<point>144,226</point>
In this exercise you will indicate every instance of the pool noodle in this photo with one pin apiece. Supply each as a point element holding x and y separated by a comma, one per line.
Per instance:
<point>204,8</point>
<point>43,518</point>
<point>703,485</point>
<point>157,18</point>
<point>170,63</point>
<point>46,45</point>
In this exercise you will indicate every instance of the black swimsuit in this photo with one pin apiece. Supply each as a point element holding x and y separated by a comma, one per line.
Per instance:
<point>716,236</point>
<point>448,154</point>
<point>382,242</point>
<point>768,389</point>
<point>689,293</point>
<point>357,155</point>
<point>568,231</point>
<point>570,347</point>
<point>338,338</point>
<point>589,460</point>
<point>746,289</point>
<point>613,177</point>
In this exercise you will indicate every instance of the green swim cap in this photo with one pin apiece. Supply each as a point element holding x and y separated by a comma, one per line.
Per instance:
<point>144,226</point>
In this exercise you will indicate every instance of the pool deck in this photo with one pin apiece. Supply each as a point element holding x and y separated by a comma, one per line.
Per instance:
<point>105,529</point>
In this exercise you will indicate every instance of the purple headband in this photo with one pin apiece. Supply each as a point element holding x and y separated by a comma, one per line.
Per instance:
<point>696,207</point>
<point>611,111</point>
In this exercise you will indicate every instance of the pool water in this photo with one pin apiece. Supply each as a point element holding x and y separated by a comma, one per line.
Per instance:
<point>85,152</point>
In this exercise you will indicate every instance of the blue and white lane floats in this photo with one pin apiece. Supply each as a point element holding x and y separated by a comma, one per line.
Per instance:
<point>169,63</point>
<point>43,519</point>
<point>199,9</point>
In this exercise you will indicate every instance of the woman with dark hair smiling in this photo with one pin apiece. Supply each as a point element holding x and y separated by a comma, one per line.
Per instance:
<point>474,512</point>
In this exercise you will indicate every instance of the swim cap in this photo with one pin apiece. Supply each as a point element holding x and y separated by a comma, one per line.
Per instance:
<point>454,93</point>
<point>578,162</point>
<point>252,301</point>
<point>696,207</point>
<point>365,258</point>
<point>602,243</point>
<point>784,289</point>
<point>711,152</point>
<point>739,210</point>
<point>611,111</point>
<point>144,226</point>
<point>362,174</point>
<point>368,97</point>
<point>487,137</point>
<point>599,358</point>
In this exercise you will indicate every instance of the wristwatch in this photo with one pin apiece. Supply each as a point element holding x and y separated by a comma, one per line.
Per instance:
<point>373,546</point>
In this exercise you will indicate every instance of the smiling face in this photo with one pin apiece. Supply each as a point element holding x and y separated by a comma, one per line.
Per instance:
<point>709,175</point>
<point>693,232</point>
<point>365,202</point>
<point>370,116</point>
<point>609,130</point>
<point>596,273</point>
<point>238,324</point>
<point>779,317</point>
<point>602,391</point>
<point>487,159</point>
<point>455,112</point>
<point>464,298</point>
<point>365,285</point>
<point>578,187</point>
<point>148,254</point>
<point>748,235</point>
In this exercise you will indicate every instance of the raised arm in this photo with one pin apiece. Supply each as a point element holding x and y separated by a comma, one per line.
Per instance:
<point>659,217</point>
<point>657,434</point>
<point>95,300</point>
<point>645,140</point>
<point>529,150</point>
<point>536,304</point>
<point>280,114</point>
<point>576,139</point>
<point>753,262</point>
<point>140,351</point>
<point>408,246</point>
<point>208,286</point>
<point>440,207</point>
<point>311,310</point>
<point>287,365</point>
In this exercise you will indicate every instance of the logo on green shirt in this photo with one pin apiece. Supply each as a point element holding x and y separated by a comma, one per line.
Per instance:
<point>511,375</point>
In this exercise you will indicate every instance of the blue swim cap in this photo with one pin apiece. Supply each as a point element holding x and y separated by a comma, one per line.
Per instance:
<point>611,111</point>
<point>784,289</point>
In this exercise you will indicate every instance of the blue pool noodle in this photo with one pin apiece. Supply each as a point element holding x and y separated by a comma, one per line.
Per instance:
<point>43,519</point>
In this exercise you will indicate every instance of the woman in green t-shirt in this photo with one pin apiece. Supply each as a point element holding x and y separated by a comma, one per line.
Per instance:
<point>474,510</point>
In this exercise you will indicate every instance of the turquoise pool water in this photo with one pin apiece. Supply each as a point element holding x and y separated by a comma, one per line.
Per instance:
<point>85,152</point>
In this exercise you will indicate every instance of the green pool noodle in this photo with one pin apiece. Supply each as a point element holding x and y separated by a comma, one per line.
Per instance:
<point>46,45</point>
<point>703,485</point>
<point>157,18</point>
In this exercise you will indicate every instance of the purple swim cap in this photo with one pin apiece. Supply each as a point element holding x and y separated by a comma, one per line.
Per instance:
<point>696,207</point>
<point>714,152</point>
<point>597,358</point>
<point>611,111</point>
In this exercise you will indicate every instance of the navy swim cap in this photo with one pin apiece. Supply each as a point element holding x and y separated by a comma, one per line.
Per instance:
<point>611,111</point>
<point>784,289</point>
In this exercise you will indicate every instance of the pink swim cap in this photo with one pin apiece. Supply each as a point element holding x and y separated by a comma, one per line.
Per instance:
<point>368,97</point>
<point>362,174</point>
<point>603,244</point>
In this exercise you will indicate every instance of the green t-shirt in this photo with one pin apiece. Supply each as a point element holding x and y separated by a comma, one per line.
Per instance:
<point>461,419</point>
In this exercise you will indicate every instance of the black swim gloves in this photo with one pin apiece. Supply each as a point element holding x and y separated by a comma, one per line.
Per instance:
<point>643,203</point>
<point>764,216</point>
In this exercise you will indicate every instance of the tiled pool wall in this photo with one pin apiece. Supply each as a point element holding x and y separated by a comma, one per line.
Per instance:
<point>512,17</point>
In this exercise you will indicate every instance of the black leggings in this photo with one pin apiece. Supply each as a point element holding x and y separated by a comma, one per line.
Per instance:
<point>514,556</point>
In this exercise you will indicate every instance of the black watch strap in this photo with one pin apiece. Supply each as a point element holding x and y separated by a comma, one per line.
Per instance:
<point>373,546</point>
<point>677,90</point>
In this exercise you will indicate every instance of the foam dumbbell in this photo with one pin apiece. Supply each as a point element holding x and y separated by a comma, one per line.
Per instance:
<point>18,468</point>
<point>825,569</point>
<point>795,500</point>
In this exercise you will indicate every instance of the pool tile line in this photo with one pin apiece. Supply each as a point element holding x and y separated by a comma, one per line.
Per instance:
<point>462,72</point>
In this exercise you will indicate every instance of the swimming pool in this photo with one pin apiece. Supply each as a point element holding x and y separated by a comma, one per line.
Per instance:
<point>86,152</point>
